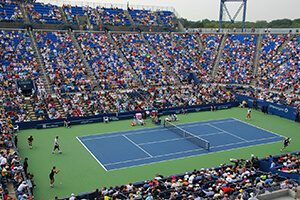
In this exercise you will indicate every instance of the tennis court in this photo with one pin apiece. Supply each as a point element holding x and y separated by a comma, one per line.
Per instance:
<point>139,147</point>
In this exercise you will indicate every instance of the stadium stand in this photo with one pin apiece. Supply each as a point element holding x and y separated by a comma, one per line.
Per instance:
<point>10,12</point>
<point>208,55</point>
<point>113,16</point>
<point>63,64</point>
<point>269,49</point>
<point>41,13</point>
<point>144,17</point>
<point>190,56</point>
<point>236,64</point>
<point>243,180</point>
<point>109,68</point>
<point>182,56</point>
<point>166,17</point>
<point>147,66</point>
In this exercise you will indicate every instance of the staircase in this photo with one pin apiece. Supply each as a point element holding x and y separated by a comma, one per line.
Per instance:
<point>63,15</point>
<point>58,106</point>
<point>120,53</point>
<point>161,23</point>
<point>98,17</point>
<point>11,189</point>
<point>218,57</point>
<point>129,18</point>
<point>40,63</point>
<point>285,43</point>
<point>199,42</point>
<point>25,13</point>
<point>30,109</point>
<point>256,58</point>
<point>166,66</point>
<point>89,112</point>
<point>87,65</point>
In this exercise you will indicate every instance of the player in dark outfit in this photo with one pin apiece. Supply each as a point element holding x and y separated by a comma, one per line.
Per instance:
<point>286,142</point>
<point>51,176</point>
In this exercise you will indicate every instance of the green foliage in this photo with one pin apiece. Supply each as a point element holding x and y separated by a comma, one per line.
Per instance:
<point>278,23</point>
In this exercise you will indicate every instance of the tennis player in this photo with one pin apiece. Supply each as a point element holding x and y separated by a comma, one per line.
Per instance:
<point>56,145</point>
<point>51,176</point>
<point>248,114</point>
<point>30,140</point>
<point>286,142</point>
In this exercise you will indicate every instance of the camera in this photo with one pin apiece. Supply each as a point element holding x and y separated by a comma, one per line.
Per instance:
<point>237,162</point>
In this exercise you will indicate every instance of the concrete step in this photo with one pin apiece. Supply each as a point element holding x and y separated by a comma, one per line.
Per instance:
<point>11,189</point>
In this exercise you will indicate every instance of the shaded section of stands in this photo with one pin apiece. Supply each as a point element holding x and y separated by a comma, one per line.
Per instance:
<point>119,116</point>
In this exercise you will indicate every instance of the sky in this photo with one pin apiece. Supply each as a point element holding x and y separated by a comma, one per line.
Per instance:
<point>209,9</point>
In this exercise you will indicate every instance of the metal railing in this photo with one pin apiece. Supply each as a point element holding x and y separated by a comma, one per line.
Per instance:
<point>246,31</point>
<point>109,5</point>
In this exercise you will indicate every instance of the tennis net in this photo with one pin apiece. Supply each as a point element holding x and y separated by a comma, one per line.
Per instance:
<point>187,135</point>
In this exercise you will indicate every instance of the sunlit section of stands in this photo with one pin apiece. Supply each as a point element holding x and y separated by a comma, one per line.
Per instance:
<point>109,68</point>
<point>44,13</point>
<point>143,60</point>
<point>236,64</point>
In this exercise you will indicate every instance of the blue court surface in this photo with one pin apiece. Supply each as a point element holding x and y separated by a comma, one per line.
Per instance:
<point>139,147</point>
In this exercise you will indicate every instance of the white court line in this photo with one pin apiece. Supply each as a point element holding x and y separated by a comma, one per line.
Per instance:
<point>91,154</point>
<point>181,138</point>
<point>101,137</point>
<point>106,135</point>
<point>137,146</point>
<point>243,142</point>
<point>259,127</point>
<point>161,141</point>
<point>205,124</point>
<point>194,150</point>
<point>227,132</point>
<point>158,129</point>
<point>155,129</point>
<point>209,134</point>
<point>158,156</point>
<point>180,158</point>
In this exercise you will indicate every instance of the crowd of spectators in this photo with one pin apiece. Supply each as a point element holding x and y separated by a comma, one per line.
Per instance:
<point>236,64</point>
<point>109,68</point>
<point>269,49</point>
<point>10,11</point>
<point>243,180</point>
<point>73,105</point>
<point>183,56</point>
<point>17,57</point>
<point>17,63</point>
<point>151,98</point>
<point>166,17</point>
<point>289,163</point>
<point>13,104</point>
<point>278,98</point>
<point>109,102</point>
<point>113,16</point>
<point>144,17</point>
<point>44,106</point>
<point>279,70</point>
<point>143,60</point>
<point>190,47</point>
<point>287,72</point>
<point>64,67</point>
<point>189,95</point>
<point>11,167</point>
<point>72,12</point>
<point>44,13</point>
<point>208,55</point>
